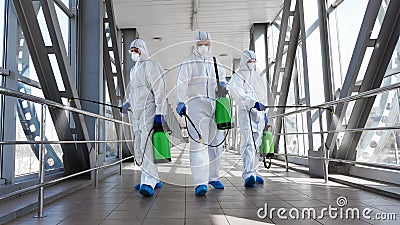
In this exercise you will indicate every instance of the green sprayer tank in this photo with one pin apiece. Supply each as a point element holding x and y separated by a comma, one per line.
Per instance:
<point>223,110</point>
<point>161,145</point>
<point>267,144</point>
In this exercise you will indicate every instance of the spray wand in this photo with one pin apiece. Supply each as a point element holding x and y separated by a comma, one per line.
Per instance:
<point>96,102</point>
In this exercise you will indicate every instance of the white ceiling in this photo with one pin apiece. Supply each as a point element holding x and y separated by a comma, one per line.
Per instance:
<point>227,21</point>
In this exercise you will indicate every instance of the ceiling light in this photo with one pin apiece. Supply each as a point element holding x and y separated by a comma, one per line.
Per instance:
<point>157,38</point>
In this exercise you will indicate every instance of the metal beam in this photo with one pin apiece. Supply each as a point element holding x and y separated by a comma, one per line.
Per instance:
<point>116,93</point>
<point>64,8</point>
<point>326,55</point>
<point>281,44</point>
<point>287,77</point>
<point>113,35</point>
<point>64,66</point>
<point>381,56</point>
<point>303,37</point>
<point>367,25</point>
<point>110,83</point>
<point>267,72</point>
<point>90,59</point>
<point>128,36</point>
<point>8,119</point>
<point>73,159</point>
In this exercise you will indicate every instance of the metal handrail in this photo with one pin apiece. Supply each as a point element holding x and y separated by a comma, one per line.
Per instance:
<point>320,107</point>
<point>383,166</point>
<point>31,188</point>
<point>31,98</point>
<point>362,95</point>
<point>42,183</point>
<point>341,131</point>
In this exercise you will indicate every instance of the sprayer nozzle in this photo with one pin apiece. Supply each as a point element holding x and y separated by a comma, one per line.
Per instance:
<point>200,139</point>
<point>69,100</point>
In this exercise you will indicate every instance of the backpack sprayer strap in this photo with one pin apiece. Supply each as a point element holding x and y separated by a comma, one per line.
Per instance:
<point>216,68</point>
<point>219,92</point>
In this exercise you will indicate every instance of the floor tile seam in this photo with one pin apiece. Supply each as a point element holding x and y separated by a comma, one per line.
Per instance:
<point>242,194</point>
<point>237,188</point>
<point>220,206</point>
<point>131,193</point>
<point>184,220</point>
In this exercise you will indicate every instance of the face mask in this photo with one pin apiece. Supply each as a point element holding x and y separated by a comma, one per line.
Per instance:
<point>135,56</point>
<point>251,65</point>
<point>202,49</point>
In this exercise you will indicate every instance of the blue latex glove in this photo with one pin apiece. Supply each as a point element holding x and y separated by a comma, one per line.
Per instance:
<point>159,119</point>
<point>125,107</point>
<point>181,109</point>
<point>259,106</point>
<point>265,119</point>
<point>223,86</point>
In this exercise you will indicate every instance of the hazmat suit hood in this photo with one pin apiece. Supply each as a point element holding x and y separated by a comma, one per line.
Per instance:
<point>248,54</point>
<point>202,36</point>
<point>249,86</point>
<point>141,45</point>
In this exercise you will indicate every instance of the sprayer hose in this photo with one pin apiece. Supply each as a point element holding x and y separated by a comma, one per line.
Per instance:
<point>191,137</point>
<point>254,142</point>
<point>144,151</point>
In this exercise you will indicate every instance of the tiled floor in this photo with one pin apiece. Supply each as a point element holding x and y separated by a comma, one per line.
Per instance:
<point>115,202</point>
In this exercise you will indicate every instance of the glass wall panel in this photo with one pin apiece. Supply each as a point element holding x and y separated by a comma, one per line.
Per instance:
<point>110,131</point>
<point>64,21</point>
<point>343,35</point>
<point>28,118</point>
<point>381,146</point>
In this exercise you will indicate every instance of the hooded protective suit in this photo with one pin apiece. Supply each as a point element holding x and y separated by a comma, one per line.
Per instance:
<point>196,84</point>
<point>247,87</point>
<point>147,96</point>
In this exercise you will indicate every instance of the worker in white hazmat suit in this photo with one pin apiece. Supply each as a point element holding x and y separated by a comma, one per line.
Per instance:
<point>196,87</point>
<point>146,98</point>
<point>249,90</point>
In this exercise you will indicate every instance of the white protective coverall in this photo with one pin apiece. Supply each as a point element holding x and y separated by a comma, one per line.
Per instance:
<point>247,87</point>
<point>196,85</point>
<point>147,96</point>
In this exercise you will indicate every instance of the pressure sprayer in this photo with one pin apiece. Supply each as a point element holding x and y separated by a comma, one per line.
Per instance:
<point>267,145</point>
<point>223,107</point>
<point>160,138</point>
<point>161,145</point>
<point>266,148</point>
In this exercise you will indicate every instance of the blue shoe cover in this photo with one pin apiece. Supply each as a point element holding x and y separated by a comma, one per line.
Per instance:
<point>259,180</point>
<point>216,184</point>
<point>158,185</point>
<point>146,190</point>
<point>200,190</point>
<point>250,182</point>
